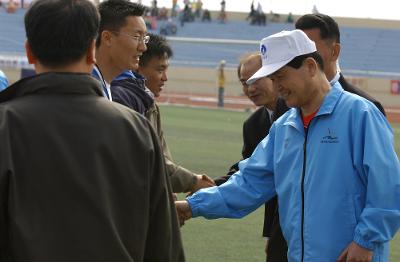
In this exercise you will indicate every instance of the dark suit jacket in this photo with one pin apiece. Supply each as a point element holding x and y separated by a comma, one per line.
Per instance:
<point>255,128</point>
<point>251,135</point>
<point>355,90</point>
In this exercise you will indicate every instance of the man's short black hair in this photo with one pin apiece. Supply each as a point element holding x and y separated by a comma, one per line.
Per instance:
<point>113,14</point>
<point>298,60</point>
<point>59,32</point>
<point>156,47</point>
<point>329,29</point>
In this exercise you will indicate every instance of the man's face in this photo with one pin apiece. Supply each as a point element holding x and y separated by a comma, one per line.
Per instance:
<point>293,85</point>
<point>261,92</point>
<point>325,48</point>
<point>155,72</point>
<point>126,45</point>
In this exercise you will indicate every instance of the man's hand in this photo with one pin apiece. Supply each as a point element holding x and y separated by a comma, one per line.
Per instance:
<point>183,210</point>
<point>174,197</point>
<point>355,253</point>
<point>266,246</point>
<point>203,181</point>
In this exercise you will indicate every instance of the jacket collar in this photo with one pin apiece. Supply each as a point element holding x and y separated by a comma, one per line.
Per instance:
<point>137,87</point>
<point>328,105</point>
<point>129,74</point>
<point>331,99</point>
<point>53,83</point>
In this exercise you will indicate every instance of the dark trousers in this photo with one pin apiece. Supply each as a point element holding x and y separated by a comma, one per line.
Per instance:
<point>277,247</point>
<point>221,96</point>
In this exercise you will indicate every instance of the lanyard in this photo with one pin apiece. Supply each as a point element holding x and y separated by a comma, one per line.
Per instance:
<point>103,82</point>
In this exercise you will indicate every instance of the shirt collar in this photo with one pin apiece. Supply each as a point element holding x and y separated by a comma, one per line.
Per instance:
<point>270,113</point>
<point>335,79</point>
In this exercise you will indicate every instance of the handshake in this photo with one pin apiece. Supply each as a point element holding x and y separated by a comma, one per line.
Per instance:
<point>183,210</point>
<point>182,207</point>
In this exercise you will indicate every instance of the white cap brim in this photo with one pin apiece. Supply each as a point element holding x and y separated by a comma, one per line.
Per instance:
<point>266,71</point>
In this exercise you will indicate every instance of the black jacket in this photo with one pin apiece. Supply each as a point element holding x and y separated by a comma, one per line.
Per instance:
<point>355,90</point>
<point>255,128</point>
<point>81,179</point>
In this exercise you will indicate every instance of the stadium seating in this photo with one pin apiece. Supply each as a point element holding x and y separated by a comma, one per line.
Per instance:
<point>368,51</point>
<point>12,32</point>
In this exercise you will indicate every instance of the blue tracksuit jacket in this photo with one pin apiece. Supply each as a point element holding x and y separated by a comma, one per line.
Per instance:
<point>337,182</point>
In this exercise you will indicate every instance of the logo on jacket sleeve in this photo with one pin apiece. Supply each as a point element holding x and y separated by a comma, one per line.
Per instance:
<point>330,138</point>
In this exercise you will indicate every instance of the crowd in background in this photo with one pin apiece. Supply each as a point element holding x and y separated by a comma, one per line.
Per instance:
<point>166,19</point>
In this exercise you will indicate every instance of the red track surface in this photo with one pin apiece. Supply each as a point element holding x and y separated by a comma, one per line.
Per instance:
<point>237,103</point>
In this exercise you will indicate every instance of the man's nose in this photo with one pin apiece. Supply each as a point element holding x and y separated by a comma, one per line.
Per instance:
<point>142,46</point>
<point>252,88</point>
<point>164,76</point>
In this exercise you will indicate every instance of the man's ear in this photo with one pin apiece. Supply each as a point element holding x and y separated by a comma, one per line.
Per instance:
<point>335,51</point>
<point>106,37</point>
<point>311,66</point>
<point>91,53</point>
<point>31,57</point>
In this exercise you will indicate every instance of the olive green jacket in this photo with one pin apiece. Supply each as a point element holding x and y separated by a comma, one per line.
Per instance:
<point>182,180</point>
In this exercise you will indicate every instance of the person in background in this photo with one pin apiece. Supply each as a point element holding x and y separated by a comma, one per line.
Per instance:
<point>206,17</point>
<point>174,8</point>
<point>289,18</point>
<point>330,160</point>
<point>222,12</point>
<point>315,10</point>
<point>251,13</point>
<point>120,42</point>
<point>70,188</point>
<point>324,31</point>
<point>198,8</point>
<point>11,7</point>
<point>3,81</point>
<point>221,82</point>
<point>153,67</point>
<point>255,129</point>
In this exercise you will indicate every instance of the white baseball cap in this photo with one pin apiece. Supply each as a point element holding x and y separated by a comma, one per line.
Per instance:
<point>279,49</point>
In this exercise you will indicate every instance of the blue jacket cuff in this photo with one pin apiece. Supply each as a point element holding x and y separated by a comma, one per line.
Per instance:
<point>193,205</point>
<point>363,242</point>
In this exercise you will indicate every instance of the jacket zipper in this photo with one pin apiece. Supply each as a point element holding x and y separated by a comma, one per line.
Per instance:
<point>302,191</point>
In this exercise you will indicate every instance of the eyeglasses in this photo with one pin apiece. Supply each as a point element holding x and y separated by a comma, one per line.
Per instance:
<point>140,38</point>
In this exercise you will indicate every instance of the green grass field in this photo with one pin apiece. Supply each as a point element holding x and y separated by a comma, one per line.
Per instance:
<point>209,141</point>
